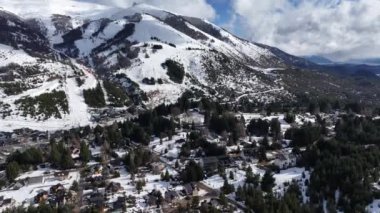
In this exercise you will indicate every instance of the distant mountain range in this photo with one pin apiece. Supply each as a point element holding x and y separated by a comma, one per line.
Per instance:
<point>365,65</point>
<point>318,59</point>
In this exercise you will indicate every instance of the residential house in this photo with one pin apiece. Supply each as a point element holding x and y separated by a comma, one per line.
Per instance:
<point>120,203</point>
<point>97,199</point>
<point>9,202</point>
<point>209,164</point>
<point>171,195</point>
<point>41,197</point>
<point>18,185</point>
<point>154,198</point>
<point>35,180</point>
<point>285,160</point>
<point>190,189</point>
<point>114,187</point>
<point>61,175</point>
<point>157,167</point>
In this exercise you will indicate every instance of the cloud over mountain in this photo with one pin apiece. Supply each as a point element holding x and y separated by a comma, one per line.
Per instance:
<point>340,29</point>
<point>198,8</point>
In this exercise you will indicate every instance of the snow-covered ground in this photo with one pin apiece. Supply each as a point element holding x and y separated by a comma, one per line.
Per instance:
<point>289,175</point>
<point>25,195</point>
<point>168,148</point>
<point>300,119</point>
<point>152,29</point>
<point>153,182</point>
<point>78,111</point>
<point>192,117</point>
<point>43,10</point>
<point>10,55</point>
<point>374,207</point>
<point>216,181</point>
<point>282,179</point>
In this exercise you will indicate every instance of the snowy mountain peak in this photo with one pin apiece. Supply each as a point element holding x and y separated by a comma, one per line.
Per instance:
<point>143,9</point>
<point>140,55</point>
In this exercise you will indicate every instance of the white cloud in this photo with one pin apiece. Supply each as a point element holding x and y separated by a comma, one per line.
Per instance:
<point>197,8</point>
<point>340,29</point>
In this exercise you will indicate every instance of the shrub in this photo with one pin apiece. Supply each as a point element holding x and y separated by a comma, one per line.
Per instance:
<point>149,81</point>
<point>46,105</point>
<point>157,47</point>
<point>176,71</point>
<point>79,81</point>
<point>13,88</point>
<point>116,95</point>
<point>94,97</point>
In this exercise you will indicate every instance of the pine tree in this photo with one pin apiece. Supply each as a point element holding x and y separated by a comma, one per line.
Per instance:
<point>195,202</point>
<point>192,172</point>
<point>75,186</point>
<point>85,153</point>
<point>275,127</point>
<point>139,185</point>
<point>167,175</point>
<point>223,199</point>
<point>227,188</point>
<point>267,182</point>
<point>66,160</point>
<point>12,170</point>
<point>55,154</point>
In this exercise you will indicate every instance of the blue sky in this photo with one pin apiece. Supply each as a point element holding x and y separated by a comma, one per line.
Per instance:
<point>223,10</point>
<point>341,30</point>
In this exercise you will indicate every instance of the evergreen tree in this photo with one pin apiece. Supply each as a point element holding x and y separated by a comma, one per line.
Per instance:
<point>227,188</point>
<point>165,176</point>
<point>290,118</point>
<point>66,160</point>
<point>267,182</point>
<point>231,175</point>
<point>85,153</point>
<point>55,154</point>
<point>139,185</point>
<point>223,199</point>
<point>75,186</point>
<point>195,202</point>
<point>94,97</point>
<point>12,170</point>
<point>192,172</point>
<point>275,127</point>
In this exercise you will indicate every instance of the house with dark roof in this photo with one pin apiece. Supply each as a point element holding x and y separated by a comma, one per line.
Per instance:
<point>61,175</point>
<point>209,164</point>
<point>9,202</point>
<point>41,197</point>
<point>35,180</point>
<point>113,187</point>
<point>96,199</point>
<point>171,195</point>
<point>190,189</point>
<point>120,203</point>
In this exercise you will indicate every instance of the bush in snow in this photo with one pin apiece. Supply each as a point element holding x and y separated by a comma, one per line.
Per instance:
<point>176,71</point>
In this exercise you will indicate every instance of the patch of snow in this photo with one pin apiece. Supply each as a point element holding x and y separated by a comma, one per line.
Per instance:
<point>25,194</point>
<point>374,207</point>
<point>10,55</point>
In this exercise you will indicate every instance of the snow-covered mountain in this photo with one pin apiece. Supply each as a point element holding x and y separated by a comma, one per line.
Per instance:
<point>38,86</point>
<point>138,40</point>
<point>149,53</point>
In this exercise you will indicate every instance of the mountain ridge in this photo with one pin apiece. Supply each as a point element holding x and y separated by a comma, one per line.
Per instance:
<point>153,56</point>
